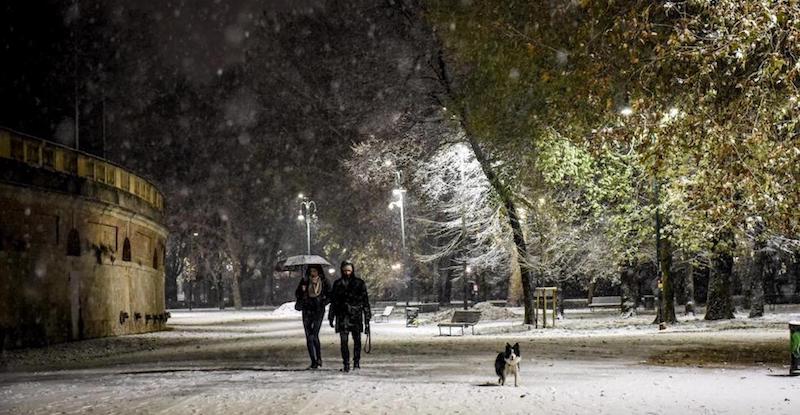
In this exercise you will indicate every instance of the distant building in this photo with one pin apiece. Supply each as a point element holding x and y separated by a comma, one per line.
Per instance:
<point>82,246</point>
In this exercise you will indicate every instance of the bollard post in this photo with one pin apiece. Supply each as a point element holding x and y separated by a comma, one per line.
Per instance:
<point>794,347</point>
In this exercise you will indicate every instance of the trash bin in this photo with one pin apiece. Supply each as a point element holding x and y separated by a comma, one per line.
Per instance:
<point>411,316</point>
<point>649,302</point>
<point>794,347</point>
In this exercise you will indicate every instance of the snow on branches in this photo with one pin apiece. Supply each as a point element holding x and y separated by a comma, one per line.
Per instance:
<point>467,225</point>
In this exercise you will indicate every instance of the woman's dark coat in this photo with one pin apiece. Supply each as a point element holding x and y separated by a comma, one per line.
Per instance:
<point>313,304</point>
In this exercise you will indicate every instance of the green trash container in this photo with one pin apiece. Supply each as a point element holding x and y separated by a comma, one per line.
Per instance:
<point>794,347</point>
<point>411,316</point>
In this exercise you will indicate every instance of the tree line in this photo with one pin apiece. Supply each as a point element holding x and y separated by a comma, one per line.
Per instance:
<point>577,144</point>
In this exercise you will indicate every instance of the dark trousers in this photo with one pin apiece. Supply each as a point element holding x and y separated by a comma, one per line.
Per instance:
<point>344,337</point>
<point>312,322</point>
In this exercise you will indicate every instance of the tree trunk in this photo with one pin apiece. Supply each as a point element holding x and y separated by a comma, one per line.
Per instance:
<point>666,281</point>
<point>236,291</point>
<point>796,268</point>
<point>269,285</point>
<point>269,269</point>
<point>720,303</point>
<point>447,288</point>
<point>438,283</point>
<point>515,282</point>
<point>796,272</point>
<point>758,270</point>
<point>689,289</point>
<point>528,282</point>
<point>191,293</point>
<point>658,294</point>
<point>220,288</point>
<point>757,282</point>
<point>173,267</point>
<point>630,291</point>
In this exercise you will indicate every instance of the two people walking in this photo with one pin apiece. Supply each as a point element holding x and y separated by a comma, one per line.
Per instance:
<point>349,313</point>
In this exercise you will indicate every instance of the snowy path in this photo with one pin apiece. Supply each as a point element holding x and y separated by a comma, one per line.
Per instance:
<point>567,387</point>
<point>228,362</point>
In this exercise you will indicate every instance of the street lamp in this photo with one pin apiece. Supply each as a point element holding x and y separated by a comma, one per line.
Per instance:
<point>307,213</point>
<point>399,193</point>
<point>399,203</point>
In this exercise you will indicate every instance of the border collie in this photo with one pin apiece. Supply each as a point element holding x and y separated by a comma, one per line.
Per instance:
<point>507,363</point>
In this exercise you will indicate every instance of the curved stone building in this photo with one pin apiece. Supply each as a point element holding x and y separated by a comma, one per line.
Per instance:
<point>81,246</point>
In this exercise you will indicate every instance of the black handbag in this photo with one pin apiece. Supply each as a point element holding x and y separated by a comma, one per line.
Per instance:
<point>353,310</point>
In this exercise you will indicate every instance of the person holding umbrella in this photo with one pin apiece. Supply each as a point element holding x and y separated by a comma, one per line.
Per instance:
<point>350,309</point>
<point>312,295</point>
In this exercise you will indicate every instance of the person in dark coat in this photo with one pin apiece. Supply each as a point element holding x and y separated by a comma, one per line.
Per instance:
<point>313,294</point>
<point>350,308</point>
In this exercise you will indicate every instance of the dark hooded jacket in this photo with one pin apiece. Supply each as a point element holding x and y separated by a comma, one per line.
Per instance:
<point>349,302</point>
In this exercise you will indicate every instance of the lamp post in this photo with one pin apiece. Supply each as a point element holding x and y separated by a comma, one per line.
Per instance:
<point>399,203</point>
<point>399,192</point>
<point>307,213</point>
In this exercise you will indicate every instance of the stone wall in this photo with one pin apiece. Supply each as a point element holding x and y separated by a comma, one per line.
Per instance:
<point>78,259</point>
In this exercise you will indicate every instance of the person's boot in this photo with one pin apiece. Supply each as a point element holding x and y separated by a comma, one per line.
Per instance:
<point>314,365</point>
<point>346,367</point>
<point>319,362</point>
<point>356,365</point>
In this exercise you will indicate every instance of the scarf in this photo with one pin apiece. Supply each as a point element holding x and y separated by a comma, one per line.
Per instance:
<point>315,287</point>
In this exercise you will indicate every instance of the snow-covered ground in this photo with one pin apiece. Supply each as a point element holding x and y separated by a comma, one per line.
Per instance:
<point>219,362</point>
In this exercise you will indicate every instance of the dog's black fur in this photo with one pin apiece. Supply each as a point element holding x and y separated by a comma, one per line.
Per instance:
<point>502,360</point>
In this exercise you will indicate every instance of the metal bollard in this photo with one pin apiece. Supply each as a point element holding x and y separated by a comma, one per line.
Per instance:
<point>794,347</point>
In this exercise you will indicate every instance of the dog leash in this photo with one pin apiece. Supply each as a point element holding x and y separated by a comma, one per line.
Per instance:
<point>368,345</point>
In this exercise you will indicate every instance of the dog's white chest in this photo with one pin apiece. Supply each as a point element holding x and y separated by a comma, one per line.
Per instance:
<point>512,367</point>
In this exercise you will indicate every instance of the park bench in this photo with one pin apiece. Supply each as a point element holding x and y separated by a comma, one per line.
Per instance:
<point>613,301</point>
<point>461,318</point>
<point>428,307</point>
<point>387,311</point>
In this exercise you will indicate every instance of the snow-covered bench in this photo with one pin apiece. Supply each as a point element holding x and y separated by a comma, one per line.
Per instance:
<point>387,311</point>
<point>613,301</point>
<point>461,318</point>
